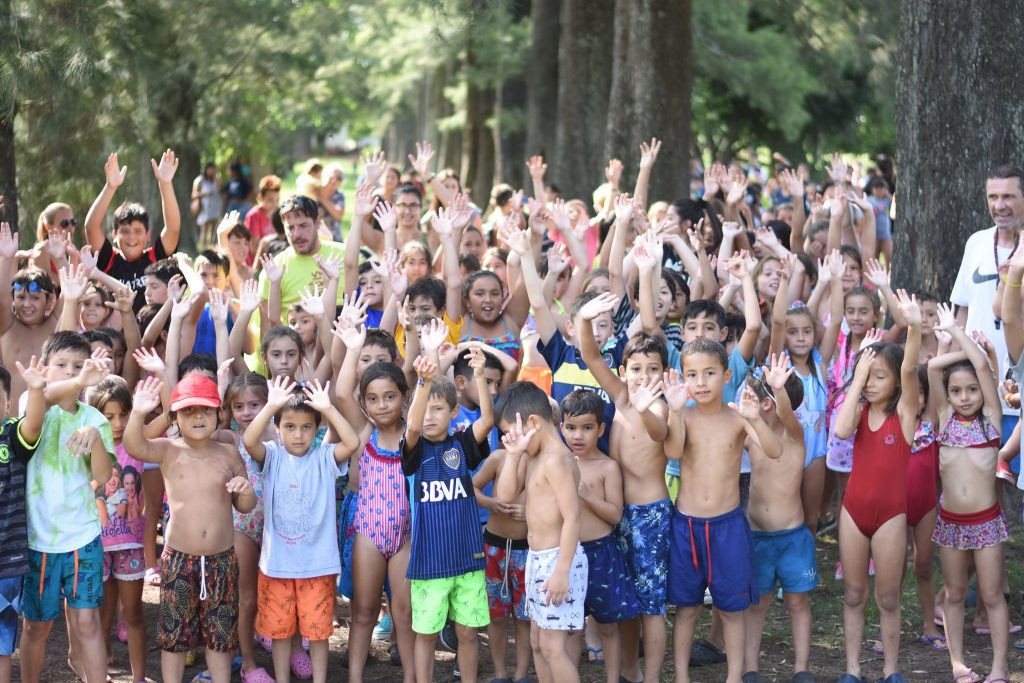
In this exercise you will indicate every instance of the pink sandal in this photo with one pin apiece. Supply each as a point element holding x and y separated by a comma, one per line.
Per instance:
<point>264,642</point>
<point>302,666</point>
<point>257,675</point>
<point>152,577</point>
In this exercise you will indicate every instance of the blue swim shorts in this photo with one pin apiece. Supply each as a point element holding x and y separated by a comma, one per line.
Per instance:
<point>785,557</point>
<point>10,614</point>
<point>346,539</point>
<point>76,577</point>
<point>644,531</point>
<point>611,593</point>
<point>712,553</point>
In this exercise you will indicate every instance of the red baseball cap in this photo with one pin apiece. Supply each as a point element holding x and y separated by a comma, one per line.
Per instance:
<point>195,390</point>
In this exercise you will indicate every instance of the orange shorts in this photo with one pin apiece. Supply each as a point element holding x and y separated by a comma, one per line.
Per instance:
<point>284,602</point>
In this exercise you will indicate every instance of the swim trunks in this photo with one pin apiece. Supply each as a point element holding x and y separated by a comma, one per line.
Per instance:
<point>785,557</point>
<point>198,601</point>
<point>712,553</point>
<point>75,578</point>
<point>611,593</point>
<point>10,614</point>
<point>286,603</point>
<point>644,529</point>
<point>347,539</point>
<point>506,575</point>
<point>568,615</point>
<point>462,598</point>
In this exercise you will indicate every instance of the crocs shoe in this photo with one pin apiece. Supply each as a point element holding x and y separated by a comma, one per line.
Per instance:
<point>122,632</point>
<point>152,577</point>
<point>257,675</point>
<point>264,642</point>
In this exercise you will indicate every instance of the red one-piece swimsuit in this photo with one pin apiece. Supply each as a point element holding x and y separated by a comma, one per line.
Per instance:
<point>877,490</point>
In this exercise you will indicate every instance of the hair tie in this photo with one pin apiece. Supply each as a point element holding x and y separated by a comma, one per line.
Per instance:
<point>797,304</point>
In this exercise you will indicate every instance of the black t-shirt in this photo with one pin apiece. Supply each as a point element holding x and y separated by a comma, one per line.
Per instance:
<point>131,273</point>
<point>14,457</point>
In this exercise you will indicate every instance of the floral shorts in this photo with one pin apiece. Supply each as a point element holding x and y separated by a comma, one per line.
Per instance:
<point>124,565</point>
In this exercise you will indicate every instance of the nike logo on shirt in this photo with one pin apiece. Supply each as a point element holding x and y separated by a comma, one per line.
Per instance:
<point>980,279</point>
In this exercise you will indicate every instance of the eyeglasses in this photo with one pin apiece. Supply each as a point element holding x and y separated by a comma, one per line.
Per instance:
<point>406,206</point>
<point>73,222</point>
<point>33,287</point>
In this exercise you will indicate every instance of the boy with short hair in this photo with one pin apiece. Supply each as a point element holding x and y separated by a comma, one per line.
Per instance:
<point>75,448</point>
<point>429,295</point>
<point>611,594</point>
<point>537,462</point>
<point>783,545</point>
<point>637,444</point>
<point>448,578</point>
<point>19,437</point>
<point>204,480</point>
<point>710,536</point>
<point>158,276</point>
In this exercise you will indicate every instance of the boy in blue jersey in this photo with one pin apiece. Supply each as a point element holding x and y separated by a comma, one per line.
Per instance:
<point>446,564</point>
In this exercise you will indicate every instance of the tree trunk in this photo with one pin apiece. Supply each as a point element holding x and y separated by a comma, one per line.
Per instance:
<point>542,81</point>
<point>958,119</point>
<point>513,135</point>
<point>8,175</point>
<point>650,92</point>
<point>584,81</point>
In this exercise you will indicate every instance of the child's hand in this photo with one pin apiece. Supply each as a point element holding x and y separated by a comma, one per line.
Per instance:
<point>871,337</point>
<point>354,308</point>
<point>860,373</point>
<point>175,288</point>
<point>218,306</point>
<point>767,238</point>
<point>441,222</point>
<point>86,259</point>
<point>432,335</point>
<point>749,408</point>
<point>876,273</point>
<point>460,211</point>
<point>312,301</point>
<point>644,393</point>
<point>249,300</point>
<point>164,171</point>
<point>623,208</point>
<point>696,235</point>
<point>649,153</point>
<point>149,361</point>
<point>147,396</point>
<point>72,282</point>
<point>604,303</point>
<point>8,242</point>
<point>837,170</point>
<point>836,265</point>
<point>224,374</point>
<point>477,360</point>
<point>330,267</point>
<point>181,308</point>
<point>95,369</point>
<point>124,299</point>
<point>537,168</point>
<point>947,320</point>
<point>270,267</point>
<point>981,340</point>
<point>778,371</point>
<point>386,216</point>
<point>674,390</point>
<point>386,265</point>
<point>735,266</point>
<point>351,335</point>
<point>56,245</point>
<point>238,485</point>
<point>556,588</point>
<point>516,239</point>
<point>731,229</point>
<point>425,368</point>
<point>230,220</point>
<point>279,392</point>
<point>113,174</point>
<point>909,308</point>
<point>34,374</point>
<point>515,440</point>
<point>558,259</point>
<point>365,201</point>
<point>80,442</point>
<point>643,259</point>
<point>318,397</point>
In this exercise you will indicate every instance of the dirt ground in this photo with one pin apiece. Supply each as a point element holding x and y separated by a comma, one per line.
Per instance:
<point>919,663</point>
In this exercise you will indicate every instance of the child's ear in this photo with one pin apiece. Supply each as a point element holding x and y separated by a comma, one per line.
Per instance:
<point>723,334</point>
<point>51,303</point>
<point>600,430</point>
<point>728,376</point>
<point>570,328</point>
<point>460,382</point>
<point>622,371</point>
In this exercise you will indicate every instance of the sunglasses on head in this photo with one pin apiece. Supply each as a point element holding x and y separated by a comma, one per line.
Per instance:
<point>69,222</point>
<point>33,287</point>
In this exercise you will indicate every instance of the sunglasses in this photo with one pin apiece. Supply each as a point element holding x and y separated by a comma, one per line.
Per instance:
<point>33,287</point>
<point>69,222</point>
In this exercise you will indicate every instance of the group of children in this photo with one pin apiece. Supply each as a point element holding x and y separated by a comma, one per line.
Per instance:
<point>565,433</point>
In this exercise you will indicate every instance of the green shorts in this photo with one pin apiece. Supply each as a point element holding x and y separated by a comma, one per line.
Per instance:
<point>464,597</point>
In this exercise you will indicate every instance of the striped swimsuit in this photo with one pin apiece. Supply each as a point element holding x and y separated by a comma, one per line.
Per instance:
<point>382,508</point>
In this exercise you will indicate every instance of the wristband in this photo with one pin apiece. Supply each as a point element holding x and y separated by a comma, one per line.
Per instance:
<point>1012,285</point>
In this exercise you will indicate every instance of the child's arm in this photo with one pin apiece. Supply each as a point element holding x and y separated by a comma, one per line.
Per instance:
<point>320,399</point>
<point>279,391</point>
<point>98,210</point>
<point>34,375</point>
<point>610,508</point>
<point>676,396</point>
<point>483,424</point>
<point>648,155</point>
<point>87,442</point>
<point>219,315</point>
<point>623,215</point>
<point>978,358</point>
<point>124,299</point>
<point>1013,327</point>
<point>910,399</point>
<point>511,478</point>
<point>365,203</point>
<point>164,173</point>
<point>776,373</point>
<point>605,376</point>
<point>1011,449</point>
<point>849,414</point>
<point>795,189</point>
<point>72,288</point>
<point>744,270</point>
<point>783,298</point>
<point>647,259</point>
<point>93,371</point>
<point>425,370</point>
<point>643,396</point>
<point>835,269</point>
<point>330,268</point>
<point>248,301</point>
<point>274,275</point>
<point>485,474</point>
<point>172,353</point>
<point>517,307</point>
<point>243,497</point>
<point>147,399</point>
<point>519,242</point>
<point>559,473</point>
<point>441,222</point>
<point>537,169</point>
<point>757,429</point>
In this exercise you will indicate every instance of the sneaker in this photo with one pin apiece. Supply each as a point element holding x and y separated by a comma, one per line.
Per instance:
<point>382,631</point>
<point>839,571</point>
<point>456,674</point>
<point>707,596</point>
<point>449,641</point>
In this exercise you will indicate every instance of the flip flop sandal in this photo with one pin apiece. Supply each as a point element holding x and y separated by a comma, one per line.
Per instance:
<point>935,643</point>
<point>595,655</point>
<point>704,652</point>
<point>257,675</point>
<point>302,666</point>
<point>203,677</point>
<point>967,677</point>
<point>985,630</point>
<point>876,647</point>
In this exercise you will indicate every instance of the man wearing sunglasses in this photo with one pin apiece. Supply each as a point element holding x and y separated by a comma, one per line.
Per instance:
<point>127,257</point>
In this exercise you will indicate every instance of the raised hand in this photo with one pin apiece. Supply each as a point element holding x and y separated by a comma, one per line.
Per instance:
<point>604,303</point>
<point>537,168</point>
<point>72,283</point>
<point>713,180</point>
<point>164,171</point>
<point>674,390</point>
<point>175,287</point>
<point>558,258</point>
<point>432,335</point>
<point>731,229</point>
<point>386,216</point>
<point>312,301</point>
<point>354,308</point>
<point>150,361</point>
<point>515,440</point>
<point>425,368</point>
<point>859,200</point>
<point>623,208</point>
<point>147,396</point>
<point>114,175</point>
<point>749,408</point>
<point>441,222</point>
<point>318,397</point>
<point>767,238</point>
<point>81,440</point>
<point>374,164</point>
<point>979,338</point>
<point>835,265</point>
<point>559,213</point>
<point>613,172</point>
<point>351,335</point>
<point>56,244</point>
<point>180,309</point>
<point>34,373</point>
<point>837,171</point>
<point>777,371</point>
<point>270,267</point>
<point>477,360</point>
<point>94,371</point>
<point>644,260</point>
<point>279,392</point>
<point>386,265</point>
<point>8,242</point>
<point>644,392</point>
<point>460,211</point>
<point>87,260</point>
<point>516,239</point>
<point>909,308</point>
<point>792,183</point>
<point>218,306</point>
<point>249,299</point>
<point>876,273</point>
<point>421,162</point>
<point>238,485</point>
<point>737,192</point>
<point>863,368</point>
<point>365,201</point>
<point>124,300</point>
<point>649,153</point>
<point>947,319</point>
<point>871,337</point>
<point>230,220</point>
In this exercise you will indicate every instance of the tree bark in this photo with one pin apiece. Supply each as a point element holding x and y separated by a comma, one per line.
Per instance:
<point>8,173</point>
<point>542,80</point>
<point>959,117</point>
<point>650,92</point>
<point>584,81</point>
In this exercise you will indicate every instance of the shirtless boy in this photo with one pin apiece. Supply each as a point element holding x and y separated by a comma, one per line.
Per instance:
<point>611,593</point>
<point>537,461</point>
<point>637,444</point>
<point>204,479</point>
<point>711,544</point>
<point>783,544</point>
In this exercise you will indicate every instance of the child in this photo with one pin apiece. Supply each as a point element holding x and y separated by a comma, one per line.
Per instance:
<point>123,563</point>
<point>783,545</point>
<point>637,443</point>
<point>204,480</point>
<point>611,594</point>
<point>710,537</point>
<point>537,462</point>
<point>65,552</point>
<point>19,438</point>
<point>447,579</point>
<point>299,553</point>
<point>873,519</point>
<point>970,523</point>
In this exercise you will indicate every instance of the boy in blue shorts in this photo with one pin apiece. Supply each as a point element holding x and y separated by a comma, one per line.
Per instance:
<point>447,578</point>
<point>18,440</point>
<point>710,544</point>
<point>611,593</point>
<point>783,544</point>
<point>65,555</point>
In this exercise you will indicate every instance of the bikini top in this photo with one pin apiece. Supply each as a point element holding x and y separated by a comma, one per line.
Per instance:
<point>976,432</point>
<point>508,342</point>
<point>923,437</point>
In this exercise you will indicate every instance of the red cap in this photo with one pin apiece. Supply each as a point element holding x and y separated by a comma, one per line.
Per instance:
<point>195,390</point>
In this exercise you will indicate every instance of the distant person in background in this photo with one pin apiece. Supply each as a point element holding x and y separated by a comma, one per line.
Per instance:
<point>207,207</point>
<point>257,220</point>
<point>237,190</point>
<point>881,201</point>
<point>333,199</point>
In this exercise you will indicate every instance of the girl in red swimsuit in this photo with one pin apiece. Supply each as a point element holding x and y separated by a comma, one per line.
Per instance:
<point>873,519</point>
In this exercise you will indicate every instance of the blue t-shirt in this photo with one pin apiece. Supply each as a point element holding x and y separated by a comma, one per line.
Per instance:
<point>206,332</point>
<point>446,536</point>
<point>569,372</point>
<point>373,317</point>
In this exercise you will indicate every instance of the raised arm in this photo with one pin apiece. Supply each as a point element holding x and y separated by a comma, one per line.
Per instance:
<point>834,270</point>
<point>94,218</point>
<point>974,353</point>
<point>147,399</point>
<point>364,205</point>
<point>421,163</point>
<point>648,155</point>
<point>164,172</point>
<point>425,370</point>
<point>274,275</point>
<point>776,373</point>
<point>248,301</point>
<point>623,215</point>
<point>511,479</point>
<point>34,375</point>
<point>279,392</point>
<point>72,289</point>
<point>441,222</point>
<point>605,376</point>
<point>8,250</point>
<point>353,337</point>
<point>757,429</point>
<point>537,169</point>
<point>849,414</point>
<point>348,440</point>
<point>910,400</point>
<point>795,189</point>
<point>1013,325</point>
<point>743,268</point>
